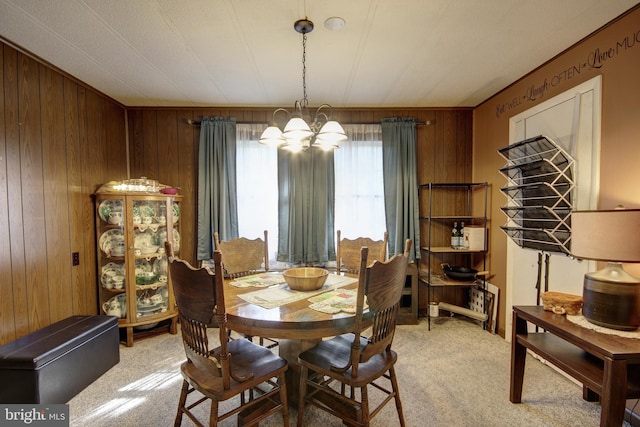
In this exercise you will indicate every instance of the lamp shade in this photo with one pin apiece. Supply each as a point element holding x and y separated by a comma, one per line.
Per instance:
<point>606,235</point>
<point>332,132</point>
<point>272,136</point>
<point>297,129</point>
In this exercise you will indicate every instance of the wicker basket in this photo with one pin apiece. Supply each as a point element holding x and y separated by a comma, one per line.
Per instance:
<point>561,303</point>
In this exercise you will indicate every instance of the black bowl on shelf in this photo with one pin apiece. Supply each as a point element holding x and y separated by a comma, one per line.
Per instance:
<point>461,274</point>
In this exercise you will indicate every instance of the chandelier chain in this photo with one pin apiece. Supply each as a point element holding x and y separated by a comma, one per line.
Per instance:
<point>304,70</point>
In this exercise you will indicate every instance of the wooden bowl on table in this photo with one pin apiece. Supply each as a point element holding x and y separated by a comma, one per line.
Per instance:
<point>305,278</point>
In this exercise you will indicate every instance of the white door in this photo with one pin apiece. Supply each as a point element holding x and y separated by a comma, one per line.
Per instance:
<point>571,120</point>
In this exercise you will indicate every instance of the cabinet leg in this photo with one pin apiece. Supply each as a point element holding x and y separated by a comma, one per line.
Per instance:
<point>173,329</point>
<point>614,392</point>
<point>130,337</point>
<point>518,359</point>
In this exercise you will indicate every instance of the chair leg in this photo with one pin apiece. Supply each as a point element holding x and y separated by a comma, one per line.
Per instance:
<point>283,399</point>
<point>302,392</point>
<point>181,403</point>
<point>364,402</point>
<point>396,390</point>
<point>213,415</point>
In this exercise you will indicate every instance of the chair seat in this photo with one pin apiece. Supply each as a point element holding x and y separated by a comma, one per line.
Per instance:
<point>337,351</point>
<point>246,358</point>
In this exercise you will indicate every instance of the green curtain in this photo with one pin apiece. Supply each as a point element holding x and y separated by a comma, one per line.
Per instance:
<point>217,195</point>
<point>306,194</point>
<point>400,184</point>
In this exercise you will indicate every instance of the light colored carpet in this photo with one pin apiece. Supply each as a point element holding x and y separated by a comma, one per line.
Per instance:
<point>454,375</point>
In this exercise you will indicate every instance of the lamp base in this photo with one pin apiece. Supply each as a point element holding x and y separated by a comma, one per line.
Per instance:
<point>612,298</point>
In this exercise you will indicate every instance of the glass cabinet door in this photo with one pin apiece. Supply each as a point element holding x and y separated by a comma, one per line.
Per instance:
<point>151,227</point>
<point>112,271</point>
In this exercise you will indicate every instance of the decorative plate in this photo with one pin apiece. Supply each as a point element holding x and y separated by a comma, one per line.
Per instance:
<point>108,206</point>
<point>111,238</point>
<point>144,239</point>
<point>109,270</point>
<point>113,266</point>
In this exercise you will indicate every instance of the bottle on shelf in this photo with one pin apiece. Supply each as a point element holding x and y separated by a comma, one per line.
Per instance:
<point>454,235</point>
<point>461,241</point>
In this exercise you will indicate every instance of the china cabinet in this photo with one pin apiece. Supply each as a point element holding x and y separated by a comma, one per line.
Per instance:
<point>133,221</point>
<point>443,208</point>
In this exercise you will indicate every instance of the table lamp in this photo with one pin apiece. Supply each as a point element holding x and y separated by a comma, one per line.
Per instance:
<point>611,295</point>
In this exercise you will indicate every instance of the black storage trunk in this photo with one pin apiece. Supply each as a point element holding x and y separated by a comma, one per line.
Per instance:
<point>55,363</point>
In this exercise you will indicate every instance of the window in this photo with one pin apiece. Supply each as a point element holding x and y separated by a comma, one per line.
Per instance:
<point>359,185</point>
<point>257,184</point>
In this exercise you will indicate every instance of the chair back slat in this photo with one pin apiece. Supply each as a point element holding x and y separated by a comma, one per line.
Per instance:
<point>200,297</point>
<point>243,256</point>
<point>383,285</point>
<point>348,252</point>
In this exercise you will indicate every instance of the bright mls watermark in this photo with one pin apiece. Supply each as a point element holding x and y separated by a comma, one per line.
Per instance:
<point>49,415</point>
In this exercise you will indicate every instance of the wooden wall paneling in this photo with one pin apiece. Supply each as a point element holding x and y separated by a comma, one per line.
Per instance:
<point>186,178</point>
<point>425,146</point>
<point>56,201</point>
<point>80,276</point>
<point>150,145</point>
<point>7,320</point>
<point>136,142</point>
<point>89,178</point>
<point>438,153</point>
<point>58,142</point>
<point>31,166</point>
<point>167,146</point>
<point>14,190</point>
<point>96,174</point>
<point>115,141</point>
<point>449,149</point>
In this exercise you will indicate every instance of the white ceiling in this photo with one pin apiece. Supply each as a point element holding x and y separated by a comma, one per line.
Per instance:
<point>391,53</point>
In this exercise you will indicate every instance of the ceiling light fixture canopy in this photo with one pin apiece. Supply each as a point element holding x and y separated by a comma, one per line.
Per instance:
<point>302,130</point>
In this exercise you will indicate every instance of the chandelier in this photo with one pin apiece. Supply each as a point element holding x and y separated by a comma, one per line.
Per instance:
<point>303,131</point>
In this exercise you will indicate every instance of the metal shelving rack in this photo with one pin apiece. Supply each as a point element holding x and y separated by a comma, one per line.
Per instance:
<point>464,202</point>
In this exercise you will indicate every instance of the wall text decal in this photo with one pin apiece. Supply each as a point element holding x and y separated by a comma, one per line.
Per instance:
<point>595,60</point>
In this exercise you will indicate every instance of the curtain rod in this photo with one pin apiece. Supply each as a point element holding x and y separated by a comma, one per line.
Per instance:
<point>197,123</point>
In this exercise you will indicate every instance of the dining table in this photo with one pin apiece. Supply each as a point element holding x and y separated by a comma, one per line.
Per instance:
<point>295,325</point>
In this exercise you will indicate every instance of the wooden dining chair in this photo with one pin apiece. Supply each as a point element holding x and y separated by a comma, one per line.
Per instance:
<point>238,369</point>
<point>348,252</point>
<point>243,257</point>
<point>336,374</point>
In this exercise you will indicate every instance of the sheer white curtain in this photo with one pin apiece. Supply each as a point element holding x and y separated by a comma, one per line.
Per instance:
<point>257,183</point>
<point>359,206</point>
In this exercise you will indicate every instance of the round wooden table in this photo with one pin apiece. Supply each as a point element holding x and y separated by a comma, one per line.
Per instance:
<point>296,326</point>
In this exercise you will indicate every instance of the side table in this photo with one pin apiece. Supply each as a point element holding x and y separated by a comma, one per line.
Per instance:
<point>608,366</point>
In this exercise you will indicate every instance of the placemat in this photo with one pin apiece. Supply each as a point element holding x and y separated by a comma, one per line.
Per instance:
<point>580,320</point>
<point>259,280</point>
<point>278,295</point>
<point>336,301</point>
